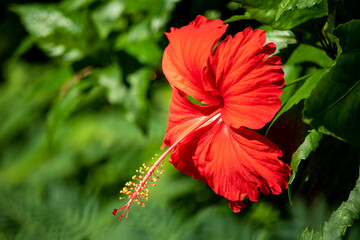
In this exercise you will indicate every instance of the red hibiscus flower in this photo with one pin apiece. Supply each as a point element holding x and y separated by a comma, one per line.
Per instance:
<point>238,85</point>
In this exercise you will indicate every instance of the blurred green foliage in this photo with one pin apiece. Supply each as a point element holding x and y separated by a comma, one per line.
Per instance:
<point>83,103</point>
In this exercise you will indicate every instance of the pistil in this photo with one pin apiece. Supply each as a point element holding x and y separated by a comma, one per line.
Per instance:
<point>137,192</point>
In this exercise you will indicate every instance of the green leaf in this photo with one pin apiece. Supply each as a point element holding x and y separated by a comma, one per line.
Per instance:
<point>140,43</point>
<point>72,5</point>
<point>45,20</point>
<point>111,78</point>
<point>58,32</point>
<point>293,80</point>
<point>64,106</point>
<point>334,105</point>
<point>26,44</point>
<point>282,38</point>
<point>309,235</point>
<point>287,5</point>
<point>289,131</point>
<point>344,216</point>
<point>302,93</point>
<point>349,35</point>
<point>137,103</point>
<point>306,53</point>
<point>309,145</point>
<point>58,49</point>
<point>331,172</point>
<point>292,94</point>
<point>234,18</point>
<point>29,88</point>
<point>146,52</point>
<point>212,14</point>
<point>280,15</point>
<point>107,17</point>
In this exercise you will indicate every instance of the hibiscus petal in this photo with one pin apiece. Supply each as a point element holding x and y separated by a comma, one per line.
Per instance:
<point>183,156</point>
<point>185,58</point>
<point>236,206</point>
<point>183,114</point>
<point>248,79</point>
<point>240,162</point>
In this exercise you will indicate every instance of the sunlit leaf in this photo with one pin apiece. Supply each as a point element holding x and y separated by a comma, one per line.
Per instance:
<point>309,145</point>
<point>111,78</point>
<point>282,38</point>
<point>288,17</point>
<point>45,20</point>
<point>287,5</point>
<point>107,17</point>
<point>72,5</point>
<point>234,18</point>
<point>58,33</point>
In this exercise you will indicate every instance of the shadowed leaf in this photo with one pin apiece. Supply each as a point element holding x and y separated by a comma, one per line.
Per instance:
<point>334,105</point>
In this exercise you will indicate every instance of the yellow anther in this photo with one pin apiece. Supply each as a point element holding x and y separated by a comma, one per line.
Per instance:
<point>137,189</point>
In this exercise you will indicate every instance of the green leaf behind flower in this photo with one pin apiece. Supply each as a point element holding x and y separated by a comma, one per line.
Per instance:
<point>309,145</point>
<point>302,93</point>
<point>284,14</point>
<point>334,105</point>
